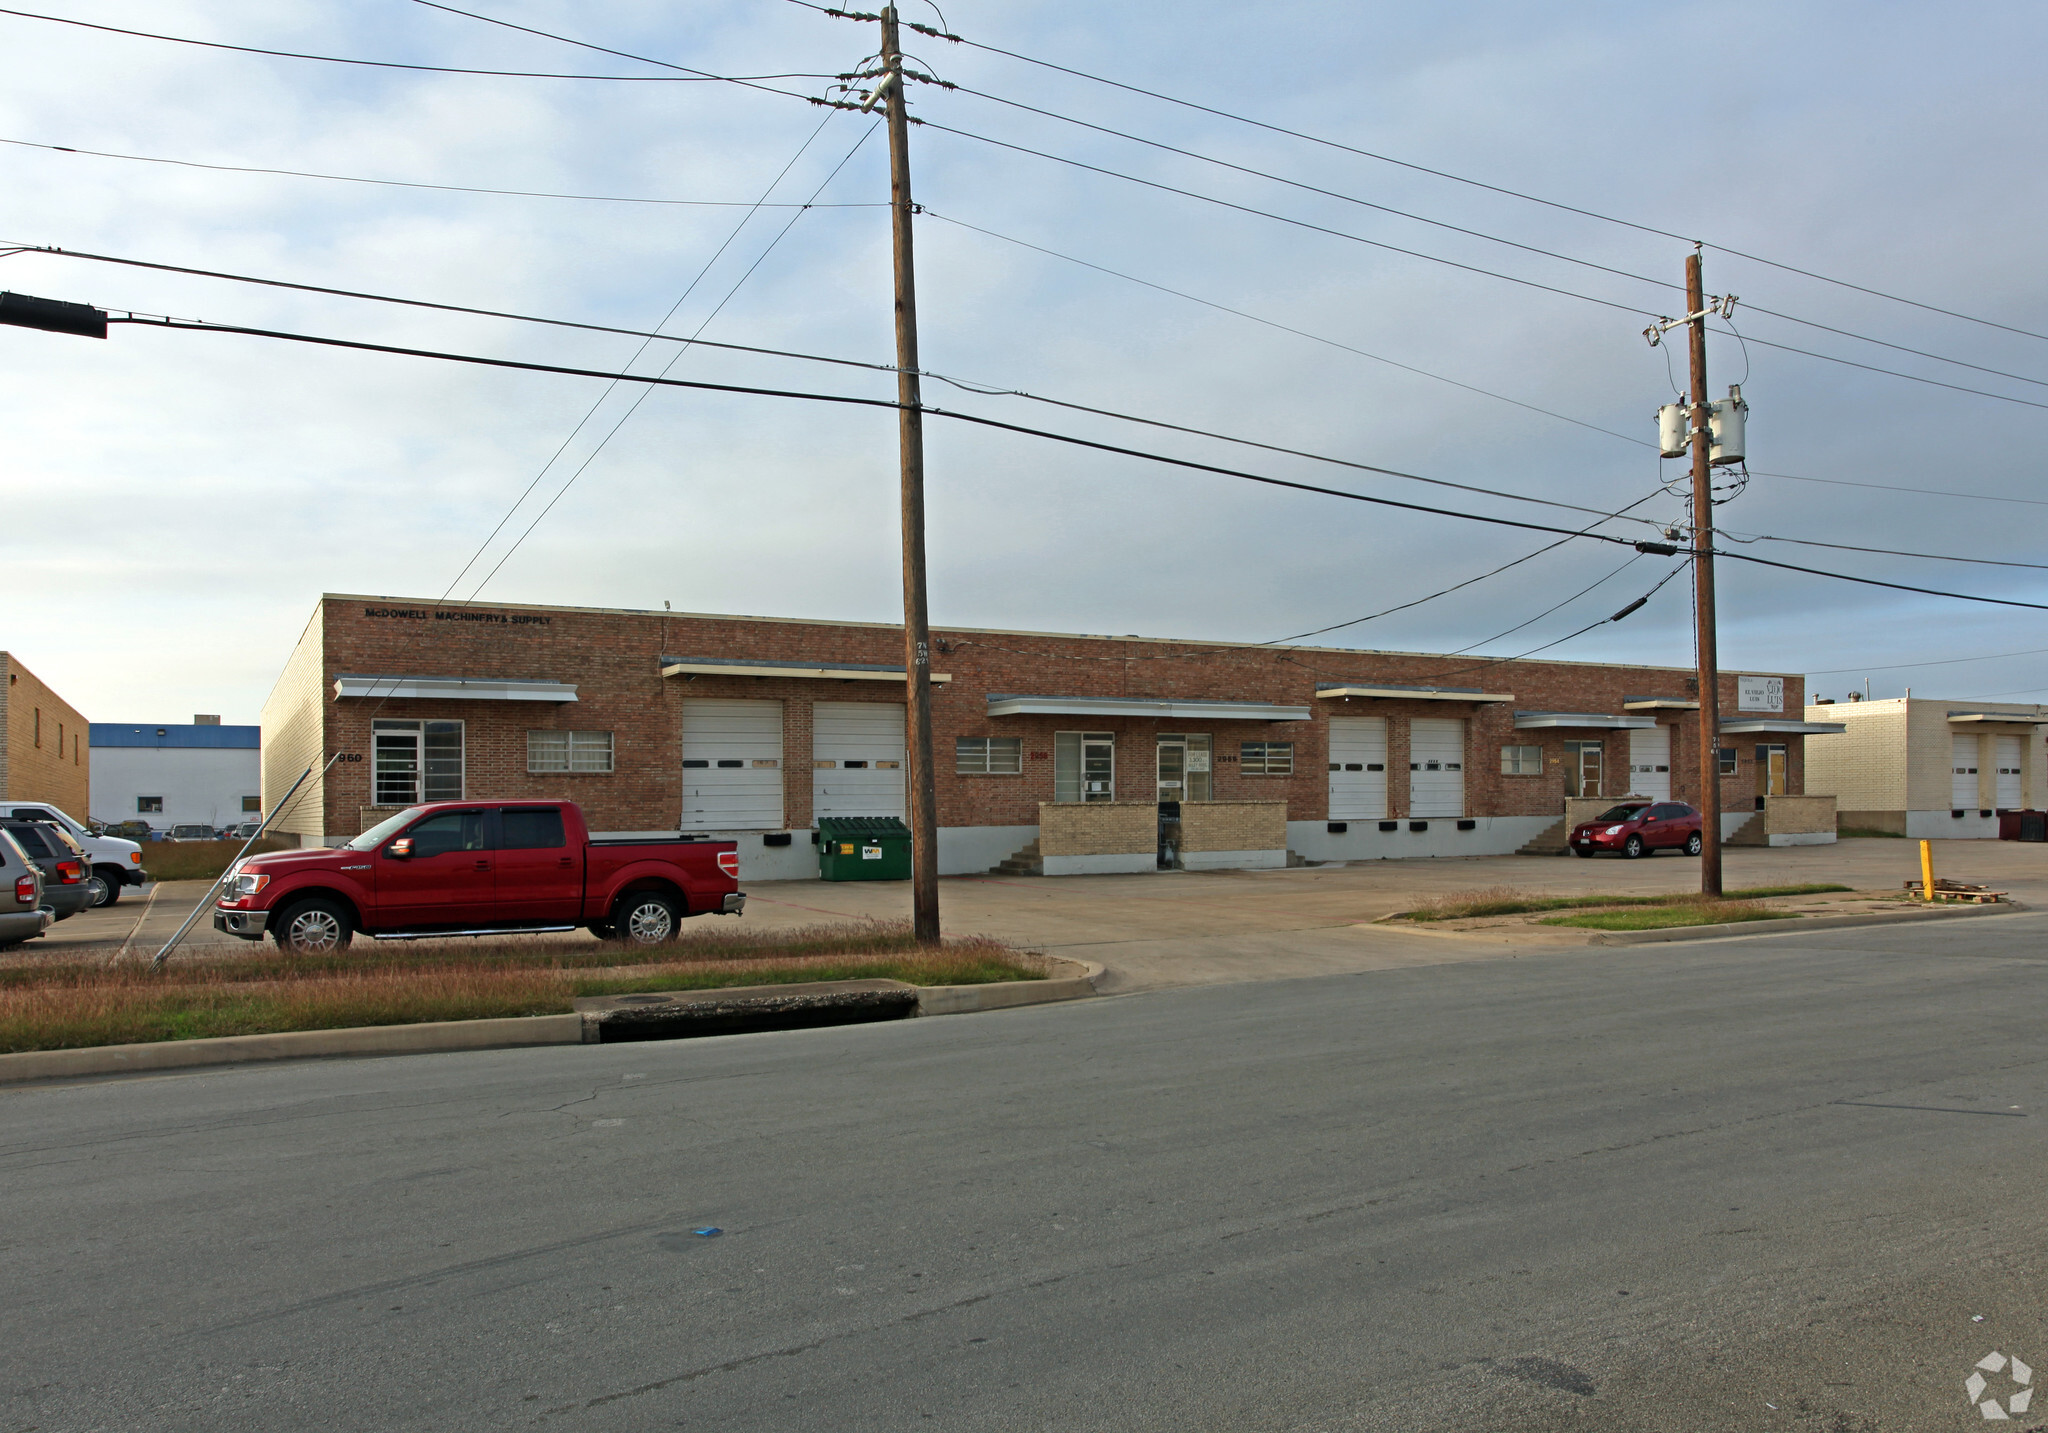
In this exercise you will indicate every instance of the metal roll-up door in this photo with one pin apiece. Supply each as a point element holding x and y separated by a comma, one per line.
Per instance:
<point>1436,767</point>
<point>2012,751</point>
<point>857,759</point>
<point>1358,768</point>
<point>732,765</point>
<point>1963,774</point>
<point>1649,763</point>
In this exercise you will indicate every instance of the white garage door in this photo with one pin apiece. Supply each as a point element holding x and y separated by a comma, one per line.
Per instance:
<point>1963,780</point>
<point>1358,768</point>
<point>857,756</point>
<point>2011,751</point>
<point>1436,767</point>
<point>732,765</point>
<point>1649,763</point>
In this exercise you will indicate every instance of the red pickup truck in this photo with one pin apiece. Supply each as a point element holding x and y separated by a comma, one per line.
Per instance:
<point>479,868</point>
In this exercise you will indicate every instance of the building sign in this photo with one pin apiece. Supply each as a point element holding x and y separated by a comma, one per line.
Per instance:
<point>422,614</point>
<point>1760,694</point>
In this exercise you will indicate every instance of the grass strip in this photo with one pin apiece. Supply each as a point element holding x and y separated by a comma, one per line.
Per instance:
<point>71,1004</point>
<point>1499,901</point>
<point>200,860</point>
<point>1668,916</point>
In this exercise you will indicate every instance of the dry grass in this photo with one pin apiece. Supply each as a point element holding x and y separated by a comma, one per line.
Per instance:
<point>53,1004</point>
<point>1506,901</point>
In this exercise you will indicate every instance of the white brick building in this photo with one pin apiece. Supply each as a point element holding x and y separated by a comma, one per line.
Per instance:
<point>1927,768</point>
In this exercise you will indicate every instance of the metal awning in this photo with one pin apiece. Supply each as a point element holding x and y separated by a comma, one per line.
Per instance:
<point>1003,704</point>
<point>1781,726</point>
<point>762,667</point>
<point>1606,721</point>
<point>1658,704</point>
<point>1427,694</point>
<point>2011,718</point>
<point>461,689</point>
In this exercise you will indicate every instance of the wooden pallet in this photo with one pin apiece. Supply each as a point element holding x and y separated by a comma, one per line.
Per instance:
<point>1962,892</point>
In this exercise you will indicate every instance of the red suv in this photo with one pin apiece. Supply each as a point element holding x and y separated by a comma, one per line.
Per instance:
<point>1636,828</point>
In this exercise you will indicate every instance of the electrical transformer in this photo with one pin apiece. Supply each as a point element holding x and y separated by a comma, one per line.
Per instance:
<point>1674,435</point>
<point>1725,423</point>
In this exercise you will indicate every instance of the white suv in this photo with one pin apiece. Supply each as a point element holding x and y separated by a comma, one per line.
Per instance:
<point>115,863</point>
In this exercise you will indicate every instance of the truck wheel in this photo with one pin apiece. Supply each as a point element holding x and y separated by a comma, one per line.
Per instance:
<point>1633,847</point>
<point>105,884</point>
<point>646,918</point>
<point>317,927</point>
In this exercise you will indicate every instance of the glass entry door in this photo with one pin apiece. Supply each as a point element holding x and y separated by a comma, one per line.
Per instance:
<point>1185,767</point>
<point>1582,768</point>
<point>1084,766</point>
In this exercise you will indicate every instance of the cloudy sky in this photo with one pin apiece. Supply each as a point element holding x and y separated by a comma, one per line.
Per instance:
<point>175,501</point>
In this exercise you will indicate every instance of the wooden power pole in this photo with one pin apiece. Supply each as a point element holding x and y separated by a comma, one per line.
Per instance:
<point>1703,586</point>
<point>917,635</point>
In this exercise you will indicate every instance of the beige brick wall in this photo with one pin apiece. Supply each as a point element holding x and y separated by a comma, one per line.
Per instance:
<point>1233,826</point>
<point>44,743</point>
<point>294,736</point>
<point>1798,815</point>
<point>1102,828</point>
<point>1864,768</point>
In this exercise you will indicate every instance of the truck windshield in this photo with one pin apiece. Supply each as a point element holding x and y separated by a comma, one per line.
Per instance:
<point>383,831</point>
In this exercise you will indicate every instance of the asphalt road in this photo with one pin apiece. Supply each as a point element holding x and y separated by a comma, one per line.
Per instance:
<point>1764,1183</point>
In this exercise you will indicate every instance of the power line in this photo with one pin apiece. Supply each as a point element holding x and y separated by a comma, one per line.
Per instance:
<point>1444,174</point>
<point>1942,662</point>
<point>1069,439</point>
<point>415,184</point>
<point>1889,488</point>
<point>742,81</point>
<point>986,390</point>
<point>1627,563</point>
<point>1889,551</point>
<point>930,213</point>
<point>676,357</point>
<point>1472,233</point>
<point>696,76</point>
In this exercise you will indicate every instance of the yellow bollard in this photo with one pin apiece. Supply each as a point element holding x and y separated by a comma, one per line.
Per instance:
<point>1927,869</point>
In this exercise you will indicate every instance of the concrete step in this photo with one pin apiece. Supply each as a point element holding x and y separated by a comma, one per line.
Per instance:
<point>1023,862</point>
<point>1749,833</point>
<point>1550,841</point>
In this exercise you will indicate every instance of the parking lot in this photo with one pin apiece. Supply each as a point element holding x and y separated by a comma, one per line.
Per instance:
<point>1198,928</point>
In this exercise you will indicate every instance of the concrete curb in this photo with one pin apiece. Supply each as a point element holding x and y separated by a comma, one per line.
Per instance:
<point>1743,929</point>
<point>439,1036</point>
<point>428,1037</point>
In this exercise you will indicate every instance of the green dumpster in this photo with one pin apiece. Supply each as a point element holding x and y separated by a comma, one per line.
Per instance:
<point>863,848</point>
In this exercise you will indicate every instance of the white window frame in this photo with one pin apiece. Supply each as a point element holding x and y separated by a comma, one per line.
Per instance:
<point>1265,758</point>
<point>581,753</point>
<point>988,755</point>
<point>144,808</point>
<point>393,731</point>
<point>1521,761</point>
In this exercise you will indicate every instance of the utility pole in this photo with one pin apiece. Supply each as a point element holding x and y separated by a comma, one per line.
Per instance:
<point>1703,585</point>
<point>917,635</point>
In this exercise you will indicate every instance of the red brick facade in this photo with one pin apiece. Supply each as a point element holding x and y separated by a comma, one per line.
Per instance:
<point>614,660</point>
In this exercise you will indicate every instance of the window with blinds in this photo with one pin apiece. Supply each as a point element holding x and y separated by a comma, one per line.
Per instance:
<point>572,751</point>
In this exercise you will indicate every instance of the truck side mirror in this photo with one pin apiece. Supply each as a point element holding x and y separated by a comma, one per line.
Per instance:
<point>400,849</point>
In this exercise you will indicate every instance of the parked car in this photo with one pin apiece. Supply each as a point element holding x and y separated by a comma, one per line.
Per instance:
<point>22,915</point>
<point>479,868</point>
<point>1636,828</point>
<point>244,831</point>
<point>63,862</point>
<point>115,862</point>
<point>127,830</point>
<point>193,832</point>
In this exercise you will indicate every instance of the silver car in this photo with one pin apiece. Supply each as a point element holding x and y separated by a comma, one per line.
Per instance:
<point>22,916</point>
<point>65,867</point>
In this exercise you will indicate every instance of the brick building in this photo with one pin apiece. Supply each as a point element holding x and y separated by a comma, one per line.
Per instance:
<point>1077,753</point>
<point>44,754</point>
<point>1930,768</point>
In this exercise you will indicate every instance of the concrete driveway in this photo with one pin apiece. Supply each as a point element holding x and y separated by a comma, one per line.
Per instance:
<point>1203,928</point>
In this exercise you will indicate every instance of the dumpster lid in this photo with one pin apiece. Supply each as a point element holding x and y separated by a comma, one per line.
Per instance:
<point>856,826</point>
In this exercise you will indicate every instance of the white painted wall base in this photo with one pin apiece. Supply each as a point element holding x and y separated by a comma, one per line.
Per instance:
<point>975,850</point>
<point>1100,865</point>
<point>1493,836</point>
<point>1940,826</point>
<point>1802,838</point>
<point>1233,860</point>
